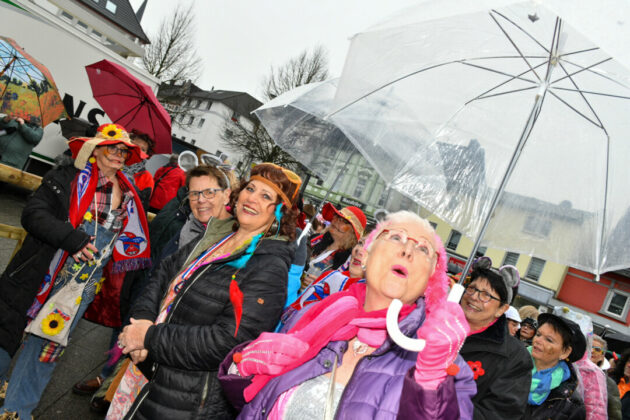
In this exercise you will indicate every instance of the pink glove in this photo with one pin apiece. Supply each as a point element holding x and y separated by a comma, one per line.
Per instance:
<point>269,354</point>
<point>444,330</point>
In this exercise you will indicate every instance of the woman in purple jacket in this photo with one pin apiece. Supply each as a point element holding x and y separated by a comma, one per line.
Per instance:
<point>335,359</point>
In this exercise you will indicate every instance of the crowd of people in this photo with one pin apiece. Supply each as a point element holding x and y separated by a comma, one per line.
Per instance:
<point>208,323</point>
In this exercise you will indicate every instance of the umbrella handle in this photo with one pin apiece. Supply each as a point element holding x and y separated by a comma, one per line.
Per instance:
<point>407,343</point>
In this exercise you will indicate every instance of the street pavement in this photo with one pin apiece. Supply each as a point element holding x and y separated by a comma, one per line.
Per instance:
<point>86,353</point>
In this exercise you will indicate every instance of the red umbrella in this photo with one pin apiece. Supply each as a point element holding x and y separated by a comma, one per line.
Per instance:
<point>130,103</point>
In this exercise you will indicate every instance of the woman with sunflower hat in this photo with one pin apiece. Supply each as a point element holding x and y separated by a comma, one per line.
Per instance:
<point>80,218</point>
<point>212,294</point>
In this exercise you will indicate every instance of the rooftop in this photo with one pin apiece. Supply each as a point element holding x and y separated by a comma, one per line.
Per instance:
<point>122,15</point>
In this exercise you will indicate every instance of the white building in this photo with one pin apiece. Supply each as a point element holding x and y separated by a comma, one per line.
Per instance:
<point>200,116</point>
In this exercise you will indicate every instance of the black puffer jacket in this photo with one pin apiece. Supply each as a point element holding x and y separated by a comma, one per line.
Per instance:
<point>188,347</point>
<point>562,403</point>
<point>45,218</point>
<point>503,372</point>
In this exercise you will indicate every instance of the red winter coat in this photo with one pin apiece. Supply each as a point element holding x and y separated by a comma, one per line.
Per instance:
<point>168,179</point>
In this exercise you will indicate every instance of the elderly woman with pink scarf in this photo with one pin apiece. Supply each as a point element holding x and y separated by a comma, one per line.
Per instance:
<point>335,358</point>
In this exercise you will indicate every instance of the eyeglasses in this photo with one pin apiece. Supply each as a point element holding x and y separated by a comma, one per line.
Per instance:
<point>208,193</point>
<point>598,350</point>
<point>117,151</point>
<point>421,246</point>
<point>483,296</point>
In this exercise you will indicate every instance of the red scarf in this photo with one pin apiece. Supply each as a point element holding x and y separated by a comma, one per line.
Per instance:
<point>338,317</point>
<point>132,248</point>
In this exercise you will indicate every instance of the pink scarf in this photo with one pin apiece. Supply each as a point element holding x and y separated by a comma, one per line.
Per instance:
<point>338,317</point>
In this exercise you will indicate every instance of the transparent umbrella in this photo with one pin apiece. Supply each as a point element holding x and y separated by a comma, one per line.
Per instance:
<point>523,109</point>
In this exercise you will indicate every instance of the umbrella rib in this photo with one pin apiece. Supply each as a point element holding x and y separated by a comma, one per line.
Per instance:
<point>513,43</point>
<point>579,51</point>
<point>590,92</point>
<point>575,110</point>
<point>588,68</point>
<point>326,117</point>
<point>500,84</point>
<point>136,107</point>
<point>501,93</point>
<point>501,72</point>
<point>39,102</point>
<point>583,97</point>
<point>541,45</point>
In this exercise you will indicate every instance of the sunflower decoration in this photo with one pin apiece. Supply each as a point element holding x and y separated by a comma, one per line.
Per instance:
<point>112,131</point>
<point>53,324</point>
<point>88,216</point>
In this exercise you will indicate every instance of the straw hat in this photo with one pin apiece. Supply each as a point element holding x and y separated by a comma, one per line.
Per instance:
<point>351,214</point>
<point>83,147</point>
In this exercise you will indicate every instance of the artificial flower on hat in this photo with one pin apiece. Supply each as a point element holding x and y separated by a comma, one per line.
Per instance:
<point>351,214</point>
<point>83,147</point>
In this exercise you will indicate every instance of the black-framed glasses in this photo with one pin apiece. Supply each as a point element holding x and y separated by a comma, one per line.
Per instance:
<point>208,193</point>
<point>484,296</point>
<point>112,149</point>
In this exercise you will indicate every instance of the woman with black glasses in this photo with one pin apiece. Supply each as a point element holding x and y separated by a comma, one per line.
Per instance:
<point>500,363</point>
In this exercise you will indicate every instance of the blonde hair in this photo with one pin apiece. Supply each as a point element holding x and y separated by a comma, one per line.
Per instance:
<point>528,311</point>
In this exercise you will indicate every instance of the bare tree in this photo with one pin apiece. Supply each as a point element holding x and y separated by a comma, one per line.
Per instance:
<point>256,145</point>
<point>172,56</point>
<point>307,67</point>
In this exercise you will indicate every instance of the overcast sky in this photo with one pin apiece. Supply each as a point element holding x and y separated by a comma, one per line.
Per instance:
<point>239,40</point>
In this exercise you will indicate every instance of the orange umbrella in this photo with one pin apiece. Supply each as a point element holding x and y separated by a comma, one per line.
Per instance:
<point>27,88</point>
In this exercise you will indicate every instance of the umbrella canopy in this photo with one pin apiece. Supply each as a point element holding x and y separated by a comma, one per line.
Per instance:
<point>130,103</point>
<point>524,112</point>
<point>296,121</point>
<point>27,88</point>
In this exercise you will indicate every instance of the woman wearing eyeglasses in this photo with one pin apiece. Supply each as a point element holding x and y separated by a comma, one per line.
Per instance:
<point>83,217</point>
<point>336,360</point>
<point>182,220</point>
<point>500,363</point>
<point>208,297</point>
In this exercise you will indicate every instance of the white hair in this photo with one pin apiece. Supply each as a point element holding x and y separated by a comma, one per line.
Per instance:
<point>403,216</point>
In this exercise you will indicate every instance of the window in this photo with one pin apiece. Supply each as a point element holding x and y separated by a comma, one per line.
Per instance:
<point>481,251</point>
<point>535,225</point>
<point>194,104</point>
<point>183,137</point>
<point>535,268</point>
<point>511,258</point>
<point>361,183</point>
<point>191,119</point>
<point>96,34</point>
<point>201,121</point>
<point>208,105</point>
<point>111,6</point>
<point>193,141</point>
<point>616,304</point>
<point>82,25</point>
<point>453,240</point>
<point>319,182</point>
<point>181,117</point>
<point>433,225</point>
<point>67,15</point>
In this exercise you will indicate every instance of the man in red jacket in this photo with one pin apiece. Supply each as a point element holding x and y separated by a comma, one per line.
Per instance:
<point>168,179</point>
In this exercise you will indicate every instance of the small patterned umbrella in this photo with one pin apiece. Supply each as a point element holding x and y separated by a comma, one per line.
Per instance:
<point>27,88</point>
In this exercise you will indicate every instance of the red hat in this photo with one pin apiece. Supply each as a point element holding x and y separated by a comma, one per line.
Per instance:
<point>351,214</point>
<point>82,147</point>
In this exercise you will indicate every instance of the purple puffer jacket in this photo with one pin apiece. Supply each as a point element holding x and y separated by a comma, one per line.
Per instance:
<point>382,385</point>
